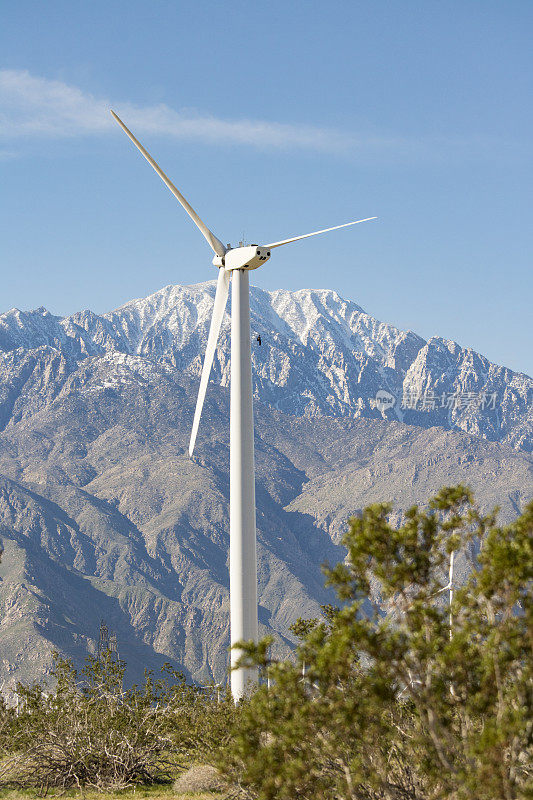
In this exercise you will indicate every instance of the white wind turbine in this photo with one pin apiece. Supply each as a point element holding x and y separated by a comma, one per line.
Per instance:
<point>235,262</point>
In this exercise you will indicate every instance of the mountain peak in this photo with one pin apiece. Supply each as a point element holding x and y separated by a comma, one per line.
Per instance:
<point>320,355</point>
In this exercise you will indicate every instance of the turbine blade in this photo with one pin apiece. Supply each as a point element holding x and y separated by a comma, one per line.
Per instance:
<point>215,243</point>
<point>315,233</point>
<point>221,298</point>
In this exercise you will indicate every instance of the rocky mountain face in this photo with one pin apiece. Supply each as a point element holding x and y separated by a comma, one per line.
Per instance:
<point>104,516</point>
<point>320,355</point>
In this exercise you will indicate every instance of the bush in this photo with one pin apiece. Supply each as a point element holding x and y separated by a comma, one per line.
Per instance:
<point>433,699</point>
<point>8,721</point>
<point>90,732</point>
<point>199,723</point>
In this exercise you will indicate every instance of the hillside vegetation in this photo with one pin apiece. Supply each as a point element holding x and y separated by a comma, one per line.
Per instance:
<point>408,689</point>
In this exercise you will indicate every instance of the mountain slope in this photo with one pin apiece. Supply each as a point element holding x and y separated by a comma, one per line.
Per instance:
<point>103,515</point>
<point>320,355</point>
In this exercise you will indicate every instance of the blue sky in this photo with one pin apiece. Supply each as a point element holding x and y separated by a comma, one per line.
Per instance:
<point>275,119</point>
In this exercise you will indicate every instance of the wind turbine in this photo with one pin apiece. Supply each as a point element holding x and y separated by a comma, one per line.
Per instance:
<point>235,263</point>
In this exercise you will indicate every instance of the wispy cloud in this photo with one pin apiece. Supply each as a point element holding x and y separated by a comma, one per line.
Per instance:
<point>37,107</point>
<point>32,107</point>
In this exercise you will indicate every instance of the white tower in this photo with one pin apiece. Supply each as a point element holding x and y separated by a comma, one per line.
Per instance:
<point>242,551</point>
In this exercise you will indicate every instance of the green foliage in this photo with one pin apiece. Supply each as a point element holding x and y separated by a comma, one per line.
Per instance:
<point>90,732</point>
<point>7,726</point>
<point>418,685</point>
<point>433,698</point>
<point>199,722</point>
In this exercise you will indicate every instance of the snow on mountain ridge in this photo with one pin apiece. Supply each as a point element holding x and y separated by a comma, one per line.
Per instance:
<point>321,354</point>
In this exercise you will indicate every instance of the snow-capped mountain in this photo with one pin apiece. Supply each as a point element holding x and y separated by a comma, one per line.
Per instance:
<point>320,355</point>
<point>104,516</point>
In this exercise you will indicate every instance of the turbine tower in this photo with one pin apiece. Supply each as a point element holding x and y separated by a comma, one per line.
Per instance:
<point>235,263</point>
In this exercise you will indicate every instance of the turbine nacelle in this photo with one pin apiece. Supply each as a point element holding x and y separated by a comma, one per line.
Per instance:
<point>249,257</point>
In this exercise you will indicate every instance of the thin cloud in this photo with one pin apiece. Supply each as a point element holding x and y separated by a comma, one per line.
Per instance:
<point>38,107</point>
<point>35,107</point>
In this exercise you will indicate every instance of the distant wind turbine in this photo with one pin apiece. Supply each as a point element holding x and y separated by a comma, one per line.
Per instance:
<point>235,263</point>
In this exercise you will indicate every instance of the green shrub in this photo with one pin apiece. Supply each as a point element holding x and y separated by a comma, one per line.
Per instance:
<point>8,721</point>
<point>433,699</point>
<point>90,732</point>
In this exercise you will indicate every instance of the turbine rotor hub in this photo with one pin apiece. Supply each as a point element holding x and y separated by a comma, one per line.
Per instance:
<point>248,257</point>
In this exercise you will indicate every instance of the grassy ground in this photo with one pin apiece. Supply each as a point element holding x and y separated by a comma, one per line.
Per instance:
<point>157,792</point>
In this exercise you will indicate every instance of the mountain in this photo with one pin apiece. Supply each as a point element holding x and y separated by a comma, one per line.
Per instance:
<point>320,355</point>
<point>104,516</point>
